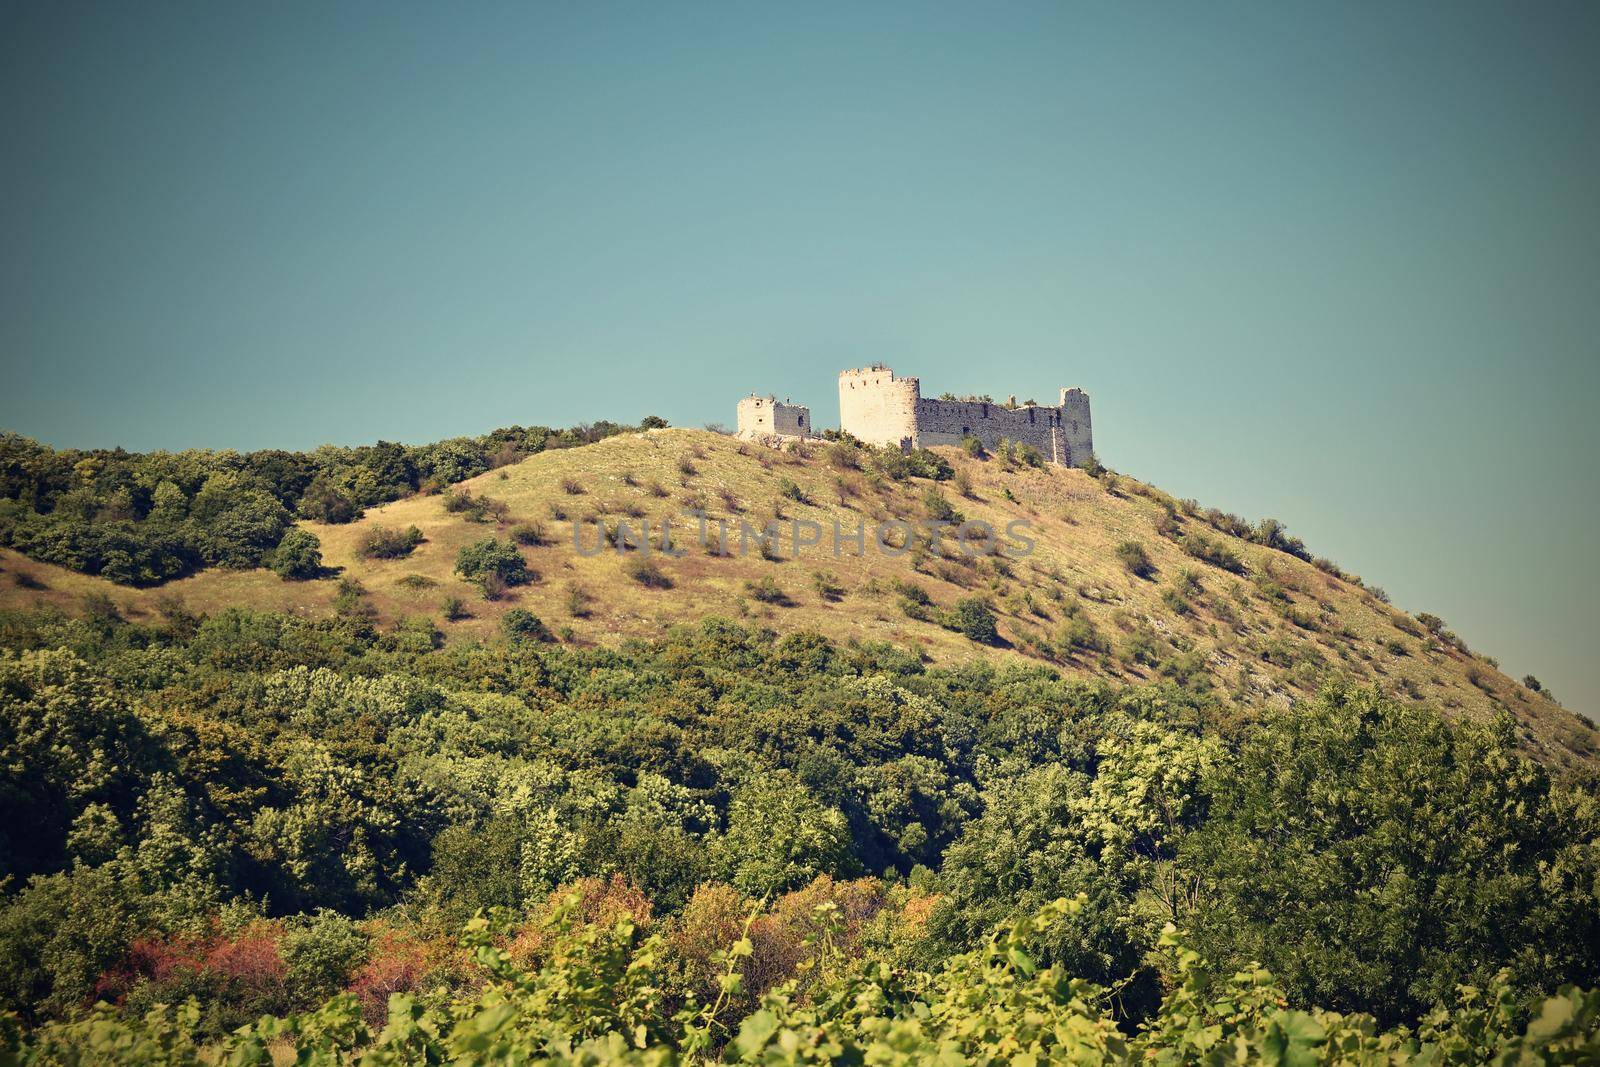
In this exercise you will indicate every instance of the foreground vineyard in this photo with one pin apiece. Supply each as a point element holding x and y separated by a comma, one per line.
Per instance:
<point>597,999</point>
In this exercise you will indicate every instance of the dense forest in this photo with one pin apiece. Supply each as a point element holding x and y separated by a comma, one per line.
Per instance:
<point>732,843</point>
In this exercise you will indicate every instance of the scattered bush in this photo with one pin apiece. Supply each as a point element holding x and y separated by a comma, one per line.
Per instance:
<point>101,612</point>
<point>530,534</point>
<point>828,586</point>
<point>476,508</point>
<point>1077,634</point>
<point>973,617</point>
<point>962,481</point>
<point>1135,560</point>
<point>578,601</point>
<point>647,572</point>
<point>938,508</point>
<point>1215,553</point>
<point>298,556</point>
<point>1141,647</point>
<point>519,624</point>
<point>492,558</point>
<point>351,601</point>
<point>767,591</point>
<point>382,542</point>
<point>843,456</point>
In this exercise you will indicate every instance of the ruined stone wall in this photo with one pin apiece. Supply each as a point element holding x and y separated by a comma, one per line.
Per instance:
<point>881,409</point>
<point>946,422</point>
<point>878,408</point>
<point>765,416</point>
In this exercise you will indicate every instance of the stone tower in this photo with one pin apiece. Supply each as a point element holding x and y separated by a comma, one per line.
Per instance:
<point>767,416</point>
<point>879,408</point>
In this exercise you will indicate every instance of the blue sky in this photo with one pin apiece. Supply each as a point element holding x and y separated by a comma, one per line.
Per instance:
<point>1337,264</point>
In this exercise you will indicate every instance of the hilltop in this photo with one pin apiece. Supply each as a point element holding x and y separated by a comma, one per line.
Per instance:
<point>1204,607</point>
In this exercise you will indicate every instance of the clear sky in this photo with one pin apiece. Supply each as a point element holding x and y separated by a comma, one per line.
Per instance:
<point>1337,264</point>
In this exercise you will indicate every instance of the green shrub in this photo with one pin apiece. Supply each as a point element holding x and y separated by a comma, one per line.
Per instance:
<point>828,586</point>
<point>489,559</point>
<point>938,508</point>
<point>298,556</point>
<point>351,601</point>
<point>382,542</point>
<point>578,601</point>
<point>647,572</point>
<point>1077,634</point>
<point>767,591</point>
<point>972,617</point>
<point>1213,552</point>
<point>843,456</point>
<point>530,534</point>
<point>519,624</point>
<point>1134,559</point>
<point>1141,647</point>
<point>320,952</point>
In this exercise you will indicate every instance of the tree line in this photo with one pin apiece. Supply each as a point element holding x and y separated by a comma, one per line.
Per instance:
<point>144,518</point>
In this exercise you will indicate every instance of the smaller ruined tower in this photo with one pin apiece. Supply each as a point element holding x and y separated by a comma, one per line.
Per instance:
<point>767,416</point>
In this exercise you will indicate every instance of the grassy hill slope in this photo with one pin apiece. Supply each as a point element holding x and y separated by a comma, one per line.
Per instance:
<point>1263,626</point>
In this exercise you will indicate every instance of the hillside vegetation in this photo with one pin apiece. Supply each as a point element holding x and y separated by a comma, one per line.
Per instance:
<point>438,785</point>
<point>1199,605</point>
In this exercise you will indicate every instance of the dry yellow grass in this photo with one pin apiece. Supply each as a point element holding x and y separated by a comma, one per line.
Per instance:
<point>1253,648</point>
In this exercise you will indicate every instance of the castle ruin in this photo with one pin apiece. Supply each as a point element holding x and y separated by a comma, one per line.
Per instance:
<point>879,408</point>
<point>762,418</point>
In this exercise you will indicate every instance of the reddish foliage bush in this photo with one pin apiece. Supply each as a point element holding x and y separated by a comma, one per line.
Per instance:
<point>716,915</point>
<point>251,960</point>
<point>397,964</point>
<point>780,937</point>
<point>601,902</point>
<point>248,965</point>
